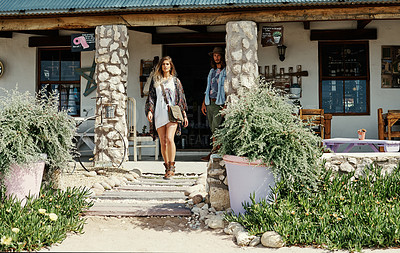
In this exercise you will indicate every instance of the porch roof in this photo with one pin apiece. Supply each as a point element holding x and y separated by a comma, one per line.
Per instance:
<point>56,7</point>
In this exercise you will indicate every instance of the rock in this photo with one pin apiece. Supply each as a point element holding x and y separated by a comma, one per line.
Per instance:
<point>346,167</point>
<point>116,181</point>
<point>203,213</point>
<point>106,185</point>
<point>219,198</point>
<point>202,193</point>
<point>134,174</point>
<point>272,239</point>
<point>194,189</point>
<point>110,181</point>
<point>97,192</point>
<point>130,177</point>
<point>197,199</point>
<point>215,222</point>
<point>98,186</point>
<point>137,171</point>
<point>231,227</point>
<point>255,241</point>
<point>196,210</point>
<point>243,238</point>
<point>101,172</point>
<point>90,173</point>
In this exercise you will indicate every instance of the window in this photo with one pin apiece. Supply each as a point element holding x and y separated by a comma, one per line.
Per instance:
<point>57,73</point>
<point>344,78</point>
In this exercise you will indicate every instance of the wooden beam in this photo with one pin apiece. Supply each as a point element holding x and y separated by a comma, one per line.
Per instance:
<point>170,38</point>
<point>52,33</point>
<point>196,28</point>
<point>58,41</point>
<point>361,24</point>
<point>351,34</point>
<point>5,34</point>
<point>306,25</point>
<point>327,13</point>
<point>144,29</point>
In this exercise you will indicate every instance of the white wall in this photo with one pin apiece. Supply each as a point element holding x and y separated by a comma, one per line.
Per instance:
<point>301,51</point>
<point>19,63</point>
<point>140,47</point>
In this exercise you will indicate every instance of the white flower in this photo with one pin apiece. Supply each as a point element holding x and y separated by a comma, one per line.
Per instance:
<point>15,230</point>
<point>42,211</point>
<point>53,216</point>
<point>6,240</point>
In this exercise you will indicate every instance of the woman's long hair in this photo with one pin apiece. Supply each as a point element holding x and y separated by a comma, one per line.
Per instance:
<point>158,73</point>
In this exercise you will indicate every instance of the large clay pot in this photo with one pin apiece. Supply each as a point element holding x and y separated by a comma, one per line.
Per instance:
<point>24,181</point>
<point>245,178</point>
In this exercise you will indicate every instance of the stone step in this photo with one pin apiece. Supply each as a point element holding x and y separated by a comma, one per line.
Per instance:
<point>141,195</point>
<point>166,188</point>
<point>159,183</point>
<point>130,210</point>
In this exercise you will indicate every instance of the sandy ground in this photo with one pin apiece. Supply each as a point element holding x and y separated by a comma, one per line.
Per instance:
<point>153,234</point>
<point>104,234</point>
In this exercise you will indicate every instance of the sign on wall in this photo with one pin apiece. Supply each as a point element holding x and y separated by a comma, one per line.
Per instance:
<point>82,42</point>
<point>271,36</point>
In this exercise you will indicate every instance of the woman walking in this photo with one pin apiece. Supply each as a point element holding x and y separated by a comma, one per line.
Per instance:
<point>165,87</point>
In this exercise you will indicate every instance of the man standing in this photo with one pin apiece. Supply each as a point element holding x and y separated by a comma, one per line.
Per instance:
<point>214,99</point>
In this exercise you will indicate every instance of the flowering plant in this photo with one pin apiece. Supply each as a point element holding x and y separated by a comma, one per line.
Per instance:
<point>31,126</point>
<point>360,131</point>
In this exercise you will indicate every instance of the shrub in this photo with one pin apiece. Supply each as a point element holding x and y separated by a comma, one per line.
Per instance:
<point>260,124</point>
<point>343,214</point>
<point>32,125</point>
<point>42,221</point>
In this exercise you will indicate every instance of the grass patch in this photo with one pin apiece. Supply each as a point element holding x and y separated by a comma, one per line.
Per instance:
<point>42,221</point>
<point>344,213</point>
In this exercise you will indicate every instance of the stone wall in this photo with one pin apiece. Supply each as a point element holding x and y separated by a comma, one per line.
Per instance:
<point>217,183</point>
<point>241,57</point>
<point>111,77</point>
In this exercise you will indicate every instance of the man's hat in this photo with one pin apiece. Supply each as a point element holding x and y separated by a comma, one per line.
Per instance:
<point>217,50</point>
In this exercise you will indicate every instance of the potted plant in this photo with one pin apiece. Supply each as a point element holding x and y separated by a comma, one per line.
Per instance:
<point>32,130</point>
<point>261,131</point>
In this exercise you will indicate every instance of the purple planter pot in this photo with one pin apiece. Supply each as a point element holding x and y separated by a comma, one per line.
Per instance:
<point>245,178</point>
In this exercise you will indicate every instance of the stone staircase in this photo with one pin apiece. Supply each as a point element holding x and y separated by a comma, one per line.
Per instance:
<point>150,195</point>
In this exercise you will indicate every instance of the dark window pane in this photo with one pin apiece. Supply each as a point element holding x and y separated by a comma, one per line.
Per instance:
<point>356,96</point>
<point>50,65</point>
<point>332,96</point>
<point>69,62</point>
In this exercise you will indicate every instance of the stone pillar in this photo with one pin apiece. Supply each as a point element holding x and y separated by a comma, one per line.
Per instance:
<point>241,57</point>
<point>241,75</point>
<point>111,77</point>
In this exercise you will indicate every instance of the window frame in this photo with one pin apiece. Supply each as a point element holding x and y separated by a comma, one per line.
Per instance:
<point>76,83</point>
<point>321,46</point>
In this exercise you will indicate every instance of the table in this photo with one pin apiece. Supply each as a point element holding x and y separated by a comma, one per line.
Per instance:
<point>388,145</point>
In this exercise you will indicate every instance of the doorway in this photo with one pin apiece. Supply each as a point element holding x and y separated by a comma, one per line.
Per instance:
<point>192,64</point>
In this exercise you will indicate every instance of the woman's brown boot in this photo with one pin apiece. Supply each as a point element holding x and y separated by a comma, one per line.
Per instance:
<point>166,165</point>
<point>171,171</point>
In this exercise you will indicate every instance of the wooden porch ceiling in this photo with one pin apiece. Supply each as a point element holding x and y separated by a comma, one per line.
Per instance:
<point>197,21</point>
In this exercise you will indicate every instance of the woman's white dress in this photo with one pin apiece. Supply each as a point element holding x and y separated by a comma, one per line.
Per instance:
<point>161,111</point>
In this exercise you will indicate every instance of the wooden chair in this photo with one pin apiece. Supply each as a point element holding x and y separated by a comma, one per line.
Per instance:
<point>139,142</point>
<point>386,122</point>
<point>315,119</point>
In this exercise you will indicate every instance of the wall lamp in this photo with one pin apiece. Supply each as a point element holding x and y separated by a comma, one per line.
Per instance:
<point>281,52</point>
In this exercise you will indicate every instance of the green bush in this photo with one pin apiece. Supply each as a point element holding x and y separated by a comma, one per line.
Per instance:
<point>345,213</point>
<point>42,221</point>
<point>260,124</point>
<point>32,125</point>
